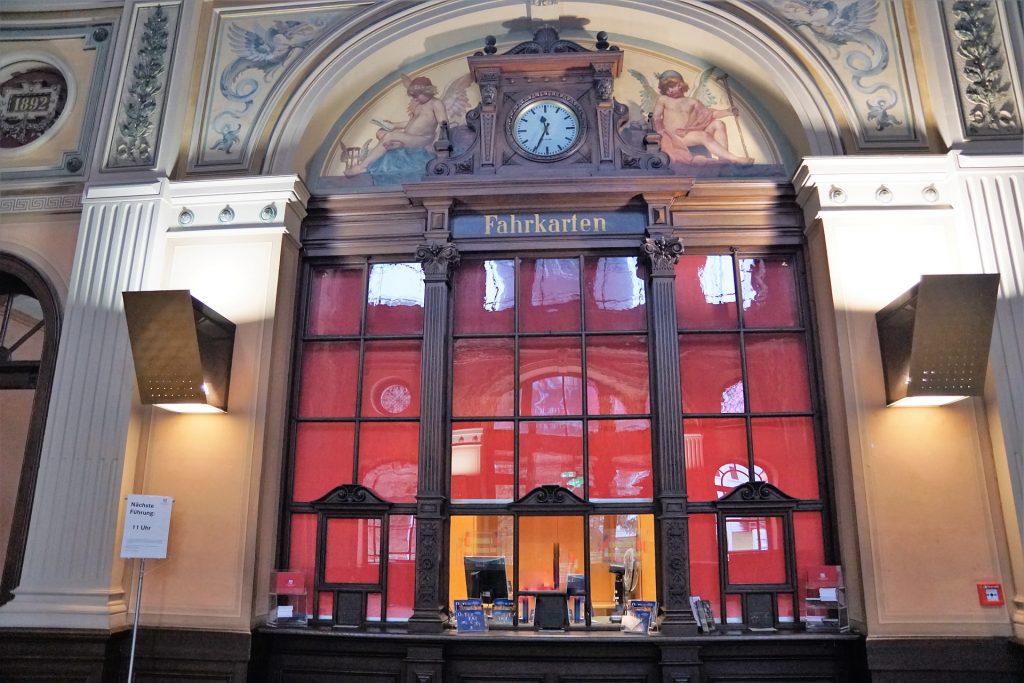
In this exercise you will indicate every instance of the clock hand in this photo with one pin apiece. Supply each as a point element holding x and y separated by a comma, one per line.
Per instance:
<point>543,134</point>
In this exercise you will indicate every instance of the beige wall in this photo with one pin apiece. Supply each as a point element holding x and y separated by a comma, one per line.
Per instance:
<point>919,481</point>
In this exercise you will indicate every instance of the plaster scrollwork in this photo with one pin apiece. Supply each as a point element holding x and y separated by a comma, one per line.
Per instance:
<point>143,100</point>
<point>848,34</point>
<point>663,253</point>
<point>438,258</point>
<point>986,97</point>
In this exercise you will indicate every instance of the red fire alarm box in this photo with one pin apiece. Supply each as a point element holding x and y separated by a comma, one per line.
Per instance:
<point>990,594</point>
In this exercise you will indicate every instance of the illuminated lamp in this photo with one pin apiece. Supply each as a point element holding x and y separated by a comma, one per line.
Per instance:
<point>181,349</point>
<point>935,339</point>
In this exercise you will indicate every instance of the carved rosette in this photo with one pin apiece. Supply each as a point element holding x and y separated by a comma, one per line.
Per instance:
<point>677,580</point>
<point>663,253</point>
<point>438,259</point>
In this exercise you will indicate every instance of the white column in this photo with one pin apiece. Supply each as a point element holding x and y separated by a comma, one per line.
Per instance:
<point>66,580</point>
<point>991,223</point>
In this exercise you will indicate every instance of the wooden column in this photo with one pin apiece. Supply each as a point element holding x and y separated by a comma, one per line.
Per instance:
<point>669,460</point>
<point>438,259</point>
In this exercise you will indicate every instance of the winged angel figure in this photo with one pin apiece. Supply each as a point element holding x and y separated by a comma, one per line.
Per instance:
<point>685,122</point>
<point>835,26</point>
<point>404,147</point>
<point>265,50</point>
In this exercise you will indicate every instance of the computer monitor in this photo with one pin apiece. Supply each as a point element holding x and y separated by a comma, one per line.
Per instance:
<point>485,577</point>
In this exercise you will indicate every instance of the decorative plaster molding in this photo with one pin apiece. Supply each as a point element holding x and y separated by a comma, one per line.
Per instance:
<point>59,202</point>
<point>988,106</point>
<point>136,138</point>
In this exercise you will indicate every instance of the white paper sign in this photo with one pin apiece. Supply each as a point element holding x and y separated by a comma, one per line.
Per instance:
<point>828,594</point>
<point>147,520</point>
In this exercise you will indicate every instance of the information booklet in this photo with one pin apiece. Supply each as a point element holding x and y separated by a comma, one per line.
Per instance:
<point>469,616</point>
<point>709,616</point>
<point>699,616</point>
<point>503,612</point>
<point>645,611</point>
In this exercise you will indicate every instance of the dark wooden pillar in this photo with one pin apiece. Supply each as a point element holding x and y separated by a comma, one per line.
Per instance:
<point>438,259</point>
<point>669,457</point>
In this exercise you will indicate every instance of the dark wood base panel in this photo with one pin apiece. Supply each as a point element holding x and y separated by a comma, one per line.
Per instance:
<point>945,660</point>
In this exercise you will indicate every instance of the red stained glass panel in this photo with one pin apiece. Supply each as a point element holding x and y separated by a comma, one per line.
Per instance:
<point>773,285</point>
<point>330,371</point>
<point>394,299</point>
<point>705,292</point>
<point>334,299</point>
<point>550,371</point>
<point>617,375</point>
<point>551,453</point>
<point>350,543</point>
<point>711,373</point>
<point>619,453</point>
<point>302,548</point>
<point>549,295</point>
<point>388,457</point>
<point>784,447</point>
<point>756,550</point>
<point>809,550</point>
<point>777,372</point>
<point>704,560</point>
<point>483,465</point>
<point>323,458</point>
<point>716,456</point>
<point>391,379</point>
<point>401,567</point>
<point>484,379</point>
<point>615,298</point>
<point>485,296</point>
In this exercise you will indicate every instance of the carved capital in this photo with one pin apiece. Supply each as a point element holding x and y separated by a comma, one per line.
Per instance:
<point>438,258</point>
<point>663,253</point>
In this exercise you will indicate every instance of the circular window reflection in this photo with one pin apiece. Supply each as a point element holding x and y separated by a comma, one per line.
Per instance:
<point>32,97</point>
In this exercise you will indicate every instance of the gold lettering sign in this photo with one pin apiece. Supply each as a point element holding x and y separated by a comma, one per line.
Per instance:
<point>535,224</point>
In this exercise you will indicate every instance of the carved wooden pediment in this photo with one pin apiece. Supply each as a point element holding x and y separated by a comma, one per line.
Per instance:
<point>351,498</point>
<point>754,495</point>
<point>550,498</point>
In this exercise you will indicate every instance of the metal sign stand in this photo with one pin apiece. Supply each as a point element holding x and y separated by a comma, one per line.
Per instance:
<point>135,625</point>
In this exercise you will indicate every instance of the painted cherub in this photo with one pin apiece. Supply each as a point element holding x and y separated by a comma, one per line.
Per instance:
<point>426,112</point>
<point>685,122</point>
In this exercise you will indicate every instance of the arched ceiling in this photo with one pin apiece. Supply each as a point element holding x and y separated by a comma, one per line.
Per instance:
<point>819,83</point>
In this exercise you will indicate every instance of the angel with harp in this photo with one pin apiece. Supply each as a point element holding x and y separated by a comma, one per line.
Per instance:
<point>686,122</point>
<point>416,134</point>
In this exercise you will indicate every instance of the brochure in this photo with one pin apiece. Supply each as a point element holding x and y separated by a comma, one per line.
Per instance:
<point>645,611</point>
<point>469,616</point>
<point>503,612</point>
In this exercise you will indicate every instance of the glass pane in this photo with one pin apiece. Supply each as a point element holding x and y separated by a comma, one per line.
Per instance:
<point>482,461</point>
<point>551,453</point>
<point>388,459</point>
<point>711,373</point>
<point>774,303</point>
<point>353,551</point>
<point>326,609</point>
<point>323,458</point>
<point>549,295</point>
<point>302,549</point>
<point>784,447</point>
<point>704,560</point>
<point>734,609</point>
<point>619,454</point>
<point>330,371</point>
<point>485,296</point>
<point>391,379</point>
<point>394,299</point>
<point>549,376</point>
<point>401,567</point>
<point>777,372</point>
<point>484,538</point>
<point>716,457</point>
<point>705,292</point>
<point>334,297</point>
<point>617,375</point>
<point>484,379</point>
<point>550,549</point>
<point>810,551</point>
<point>373,607</point>
<point>615,295</point>
<point>622,562</point>
<point>756,551</point>
<point>785,606</point>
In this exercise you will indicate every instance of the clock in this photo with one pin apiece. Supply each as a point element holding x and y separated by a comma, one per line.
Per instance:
<point>546,127</point>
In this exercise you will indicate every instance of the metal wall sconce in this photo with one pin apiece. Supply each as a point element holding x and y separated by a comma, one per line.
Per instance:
<point>182,351</point>
<point>935,339</point>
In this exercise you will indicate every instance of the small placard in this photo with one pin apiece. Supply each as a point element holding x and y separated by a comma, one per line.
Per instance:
<point>147,521</point>
<point>469,615</point>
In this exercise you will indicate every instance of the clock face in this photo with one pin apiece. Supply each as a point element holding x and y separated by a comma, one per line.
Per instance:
<point>546,129</point>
